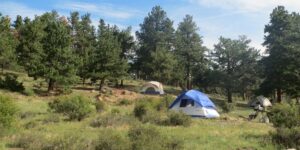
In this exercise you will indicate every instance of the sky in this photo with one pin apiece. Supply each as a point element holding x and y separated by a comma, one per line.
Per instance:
<point>215,18</point>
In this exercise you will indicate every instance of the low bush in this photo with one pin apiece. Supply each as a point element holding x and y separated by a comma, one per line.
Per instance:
<point>35,140</point>
<point>286,137</point>
<point>8,112</point>
<point>115,111</point>
<point>27,114</point>
<point>31,124</point>
<point>164,103</point>
<point>178,119</point>
<point>11,83</point>
<point>113,120</point>
<point>109,140</point>
<point>52,118</point>
<point>228,107</point>
<point>125,102</point>
<point>174,144</point>
<point>145,138</point>
<point>100,106</point>
<point>75,107</point>
<point>140,110</point>
<point>285,115</point>
<point>28,92</point>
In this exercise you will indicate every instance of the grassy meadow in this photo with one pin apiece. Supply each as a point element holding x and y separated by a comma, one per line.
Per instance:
<point>36,122</point>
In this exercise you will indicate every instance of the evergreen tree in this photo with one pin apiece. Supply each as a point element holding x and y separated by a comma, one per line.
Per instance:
<point>45,51</point>
<point>189,48</point>
<point>233,58</point>
<point>106,61</point>
<point>127,47</point>
<point>8,43</point>
<point>18,22</point>
<point>156,33</point>
<point>282,64</point>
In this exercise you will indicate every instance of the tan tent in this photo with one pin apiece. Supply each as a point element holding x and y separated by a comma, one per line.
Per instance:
<point>152,87</point>
<point>263,101</point>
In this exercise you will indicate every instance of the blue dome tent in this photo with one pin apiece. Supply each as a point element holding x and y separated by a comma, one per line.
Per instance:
<point>196,104</point>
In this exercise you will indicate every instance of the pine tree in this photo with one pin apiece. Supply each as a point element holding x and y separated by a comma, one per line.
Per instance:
<point>156,32</point>
<point>282,64</point>
<point>189,48</point>
<point>8,43</point>
<point>106,61</point>
<point>45,50</point>
<point>233,58</point>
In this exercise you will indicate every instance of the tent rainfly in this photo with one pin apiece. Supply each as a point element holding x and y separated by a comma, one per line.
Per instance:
<point>195,104</point>
<point>152,87</point>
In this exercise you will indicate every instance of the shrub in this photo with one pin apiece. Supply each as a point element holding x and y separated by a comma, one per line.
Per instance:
<point>38,141</point>
<point>109,140</point>
<point>115,111</point>
<point>8,111</point>
<point>30,125</point>
<point>27,114</point>
<point>145,138</point>
<point>164,103</point>
<point>285,115</point>
<point>28,92</point>
<point>52,118</point>
<point>228,107</point>
<point>125,102</point>
<point>289,138</point>
<point>10,83</point>
<point>178,119</point>
<point>76,107</point>
<point>140,110</point>
<point>100,106</point>
<point>174,144</point>
<point>112,120</point>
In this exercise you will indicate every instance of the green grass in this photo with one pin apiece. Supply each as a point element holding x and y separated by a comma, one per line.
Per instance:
<point>230,131</point>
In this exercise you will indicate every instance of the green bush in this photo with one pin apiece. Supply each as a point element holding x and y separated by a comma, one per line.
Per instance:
<point>286,137</point>
<point>76,107</point>
<point>28,92</point>
<point>109,140</point>
<point>125,102</point>
<point>228,107</point>
<point>10,83</point>
<point>112,120</point>
<point>100,106</point>
<point>115,111</point>
<point>52,118</point>
<point>164,103</point>
<point>31,124</point>
<point>8,112</point>
<point>178,119</point>
<point>174,144</point>
<point>35,140</point>
<point>285,115</point>
<point>140,110</point>
<point>145,138</point>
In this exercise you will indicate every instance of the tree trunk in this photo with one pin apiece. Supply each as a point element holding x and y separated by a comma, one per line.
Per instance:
<point>229,95</point>
<point>244,96</point>
<point>122,83</point>
<point>101,84</point>
<point>117,84</point>
<point>83,81</point>
<point>279,95</point>
<point>51,85</point>
<point>2,68</point>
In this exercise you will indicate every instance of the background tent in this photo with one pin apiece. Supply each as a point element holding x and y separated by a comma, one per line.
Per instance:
<point>195,103</point>
<point>152,87</point>
<point>263,101</point>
